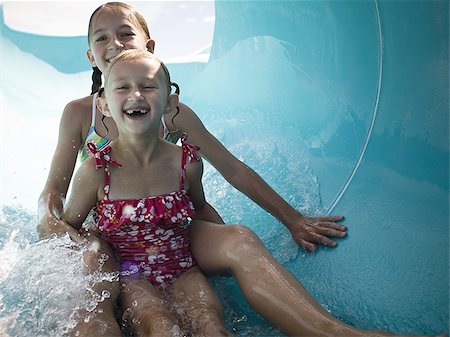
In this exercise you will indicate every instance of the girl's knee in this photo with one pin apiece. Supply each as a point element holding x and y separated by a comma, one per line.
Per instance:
<point>150,322</point>
<point>95,261</point>
<point>210,324</point>
<point>91,261</point>
<point>242,250</point>
<point>220,249</point>
<point>241,239</point>
<point>100,257</point>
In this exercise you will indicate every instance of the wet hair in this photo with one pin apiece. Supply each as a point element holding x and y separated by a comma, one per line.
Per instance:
<point>114,8</point>
<point>96,80</point>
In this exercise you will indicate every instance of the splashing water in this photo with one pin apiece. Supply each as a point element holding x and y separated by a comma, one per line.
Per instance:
<point>43,284</point>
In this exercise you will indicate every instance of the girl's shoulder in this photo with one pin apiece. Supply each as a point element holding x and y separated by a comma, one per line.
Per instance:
<point>184,158</point>
<point>89,170</point>
<point>88,180</point>
<point>180,121</point>
<point>76,117</point>
<point>80,106</point>
<point>175,152</point>
<point>170,149</point>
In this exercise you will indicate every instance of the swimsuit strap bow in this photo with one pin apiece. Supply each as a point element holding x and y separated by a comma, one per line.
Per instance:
<point>190,149</point>
<point>101,156</point>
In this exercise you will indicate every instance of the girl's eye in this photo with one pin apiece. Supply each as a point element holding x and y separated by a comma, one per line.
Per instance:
<point>100,38</point>
<point>149,86</point>
<point>127,34</point>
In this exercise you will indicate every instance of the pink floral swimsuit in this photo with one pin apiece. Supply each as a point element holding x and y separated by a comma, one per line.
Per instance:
<point>150,235</point>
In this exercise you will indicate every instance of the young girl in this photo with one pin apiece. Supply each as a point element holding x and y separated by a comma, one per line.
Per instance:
<point>143,205</point>
<point>234,250</point>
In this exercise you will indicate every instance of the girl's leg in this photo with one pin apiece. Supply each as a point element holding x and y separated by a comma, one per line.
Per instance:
<point>269,288</point>
<point>102,321</point>
<point>146,312</point>
<point>200,308</point>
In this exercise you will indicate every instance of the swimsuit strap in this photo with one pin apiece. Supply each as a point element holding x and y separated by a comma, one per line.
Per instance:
<point>94,109</point>
<point>166,130</point>
<point>189,152</point>
<point>102,157</point>
<point>92,127</point>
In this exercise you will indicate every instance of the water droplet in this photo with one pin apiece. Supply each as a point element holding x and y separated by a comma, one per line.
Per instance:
<point>134,303</point>
<point>106,294</point>
<point>90,306</point>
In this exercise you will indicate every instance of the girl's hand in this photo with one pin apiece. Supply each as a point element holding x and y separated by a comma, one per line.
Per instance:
<point>50,224</point>
<point>310,232</point>
<point>76,236</point>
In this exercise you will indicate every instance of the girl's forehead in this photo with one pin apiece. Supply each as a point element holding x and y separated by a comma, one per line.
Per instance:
<point>144,66</point>
<point>108,15</point>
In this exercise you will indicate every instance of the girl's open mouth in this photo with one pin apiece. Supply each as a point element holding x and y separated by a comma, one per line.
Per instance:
<point>136,113</point>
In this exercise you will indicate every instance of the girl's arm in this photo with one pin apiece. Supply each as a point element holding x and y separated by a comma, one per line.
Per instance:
<point>307,232</point>
<point>82,198</point>
<point>208,213</point>
<point>203,210</point>
<point>51,200</point>
<point>194,172</point>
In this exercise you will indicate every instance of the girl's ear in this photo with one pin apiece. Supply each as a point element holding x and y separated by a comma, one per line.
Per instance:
<point>172,103</point>
<point>102,106</point>
<point>150,45</point>
<point>90,57</point>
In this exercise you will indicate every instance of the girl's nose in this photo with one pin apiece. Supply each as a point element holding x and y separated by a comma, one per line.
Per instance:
<point>136,95</point>
<point>116,44</point>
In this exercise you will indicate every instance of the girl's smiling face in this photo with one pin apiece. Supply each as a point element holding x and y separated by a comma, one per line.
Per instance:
<point>137,94</point>
<point>110,33</point>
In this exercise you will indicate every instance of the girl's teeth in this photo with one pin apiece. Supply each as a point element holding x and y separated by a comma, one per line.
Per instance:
<point>135,111</point>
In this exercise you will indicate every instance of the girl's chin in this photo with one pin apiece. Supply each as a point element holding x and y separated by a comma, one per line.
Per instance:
<point>141,130</point>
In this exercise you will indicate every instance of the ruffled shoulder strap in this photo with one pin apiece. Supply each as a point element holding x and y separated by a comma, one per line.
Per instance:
<point>102,157</point>
<point>189,153</point>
